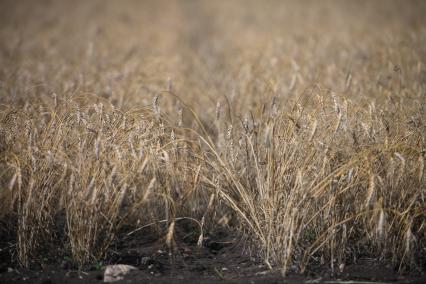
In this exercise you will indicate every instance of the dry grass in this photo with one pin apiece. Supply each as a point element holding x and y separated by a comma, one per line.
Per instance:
<point>303,122</point>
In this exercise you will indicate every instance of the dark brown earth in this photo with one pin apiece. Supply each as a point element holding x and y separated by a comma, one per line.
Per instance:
<point>222,259</point>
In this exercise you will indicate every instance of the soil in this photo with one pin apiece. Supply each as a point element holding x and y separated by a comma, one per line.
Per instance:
<point>222,259</point>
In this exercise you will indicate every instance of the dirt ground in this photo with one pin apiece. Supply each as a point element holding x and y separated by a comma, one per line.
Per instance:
<point>224,267</point>
<point>222,259</point>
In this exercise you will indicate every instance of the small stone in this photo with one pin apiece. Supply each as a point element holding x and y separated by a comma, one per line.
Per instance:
<point>145,260</point>
<point>116,272</point>
<point>262,272</point>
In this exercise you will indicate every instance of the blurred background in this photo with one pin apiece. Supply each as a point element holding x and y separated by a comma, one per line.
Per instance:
<point>128,50</point>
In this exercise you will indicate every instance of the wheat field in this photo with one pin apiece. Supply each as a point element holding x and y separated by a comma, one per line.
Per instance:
<point>300,125</point>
